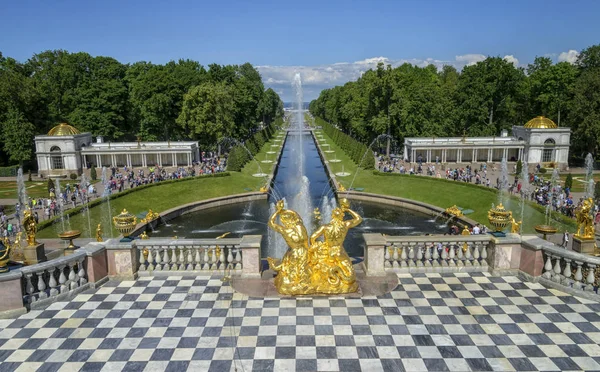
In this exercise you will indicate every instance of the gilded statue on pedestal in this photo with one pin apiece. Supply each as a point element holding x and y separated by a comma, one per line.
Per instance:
<point>515,226</point>
<point>321,267</point>
<point>99,233</point>
<point>30,227</point>
<point>585,222</point>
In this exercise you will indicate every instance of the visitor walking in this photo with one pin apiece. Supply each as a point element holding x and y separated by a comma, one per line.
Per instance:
<point>565,239</point>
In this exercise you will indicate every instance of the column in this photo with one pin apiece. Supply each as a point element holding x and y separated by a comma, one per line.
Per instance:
<point>475,155</point>
<point>413,154</point>
<point>405,153</point>
<point>189,156</point>
<point>489,155</point>
<point>429,156</point>
<point>174,159</point>
<point>113,160</point>
<point>129,160</point>
<point>443,155</point>
<point>505,153</point>
<point>459,155</point>
<point>99,160</point>
<point>144,164</point>
<point>159,159</point>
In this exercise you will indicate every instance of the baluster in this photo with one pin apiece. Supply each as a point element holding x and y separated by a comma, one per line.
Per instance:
<point>206,263</point>
<point>591,277</point>
<point>460,257</point>
<point>484,255</point>
<point>53,283</point>
<point>30,288</point>
<point>387,259</point>
<point>62,279</point>
<point>468,256</point>
<point>81,274</point>
<point>142,259</point>
<point>420,256</point>
<point>436,255</point>
<point>238,258</point>
<point>190,258</point>
<point>73,278</point>
<point>578,276</point>
<point>230,262</point>
<point>41,285</point>
<point>157,258</point>
<point>452,254</point>
<point>444,256</point>
<point>166,260</point>
<point>222,263</point>
<point>548,268</point>
<point>566,280</point>
<point>395,256</point>
<point>403,256</point>
<point>428,255</point>
<point>182,257</point>
<point>556,276</point>
<point>197,258</point>
<point>213,259</point>
<point>173,261</point>
<point>411,256</point>
<point>476,255</point>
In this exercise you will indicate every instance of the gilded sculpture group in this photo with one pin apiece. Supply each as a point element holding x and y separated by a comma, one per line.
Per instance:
<point>315,264</point>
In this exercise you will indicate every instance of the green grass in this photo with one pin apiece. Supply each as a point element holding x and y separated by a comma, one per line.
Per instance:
<point>438,192</point>
<point>166,196</point>
<point>35,189</point>
<point>579,184</point>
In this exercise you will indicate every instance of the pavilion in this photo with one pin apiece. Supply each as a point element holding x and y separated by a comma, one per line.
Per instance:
<point>65,150</point>
<point>540,140</point>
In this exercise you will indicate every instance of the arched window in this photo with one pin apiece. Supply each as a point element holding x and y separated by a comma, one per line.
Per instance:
<point>56,159</point>
<point>548,152</point>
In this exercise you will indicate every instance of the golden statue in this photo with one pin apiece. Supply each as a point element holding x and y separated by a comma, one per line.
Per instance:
<point>341,188</point>
<point>454,211</point>
<point>264,188</point>
<point>144,236</point>
<point>30,227</point>
<point>465,232</point>
<point>324,267</point>
<point>317,214</point>
<point>16,251</point>
<point>515,226</point>
<point>585,222</point>
<point>99,233</point>
<point>150,216</point>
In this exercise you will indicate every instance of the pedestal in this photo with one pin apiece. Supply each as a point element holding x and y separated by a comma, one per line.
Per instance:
<point>584,245</point>
<point>34,255</point>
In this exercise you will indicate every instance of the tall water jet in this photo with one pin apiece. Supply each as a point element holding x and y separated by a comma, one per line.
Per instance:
<point>60,203</point>
<point>552,194</point>
<point>83,188</point>
<point>589,176</point>
<point>524,191</point>
<point>106,209</point>
<point>22,190</point>
<point>503,182</point>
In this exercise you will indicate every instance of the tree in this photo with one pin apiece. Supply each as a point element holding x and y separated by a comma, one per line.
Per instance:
<point>17,134</point>
<point>208,112</point>
<point>589,57</point>
<point>519,168</point>
<point>569,181</point>
<point>585,111</point>
<point>597,191</point>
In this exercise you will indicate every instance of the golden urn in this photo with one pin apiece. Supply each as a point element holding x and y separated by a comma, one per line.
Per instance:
<point>125,223</point>
<point>69,236</point>
<point>454,211</point>
<point>499,217</point>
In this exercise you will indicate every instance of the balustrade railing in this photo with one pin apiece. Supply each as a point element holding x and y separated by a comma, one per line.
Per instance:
<point>437,253</point>
<point>571,269</point>
<point>198,255</point>
<point>53,278</point>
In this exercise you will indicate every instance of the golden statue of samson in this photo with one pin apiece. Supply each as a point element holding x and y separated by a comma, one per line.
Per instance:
<point>323,266</point>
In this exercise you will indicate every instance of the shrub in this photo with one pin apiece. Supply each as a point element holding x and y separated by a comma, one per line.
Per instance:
<point>93,174</point>
<point>543,170</point>
<point>73,176</point>
<point>519,168</point>
<point>597,191</point>
<point>10,171</point>
<point>569,181</point>
<point>50,185</point>
<point>29,175</point>
<point>352,147</point>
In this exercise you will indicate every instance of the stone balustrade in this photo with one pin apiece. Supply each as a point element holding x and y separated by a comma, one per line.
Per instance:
<point>442,253</point>
<point>189,255</point>
<point>569,269</point>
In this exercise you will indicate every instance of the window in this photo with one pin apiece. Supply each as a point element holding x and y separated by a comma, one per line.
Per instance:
<point>56,159</point>
<point>548,152</point>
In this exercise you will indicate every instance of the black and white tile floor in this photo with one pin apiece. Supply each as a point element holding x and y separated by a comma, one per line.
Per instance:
<point>434,322</point>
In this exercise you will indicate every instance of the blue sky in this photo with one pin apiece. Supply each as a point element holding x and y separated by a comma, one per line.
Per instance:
<point>328,42</point>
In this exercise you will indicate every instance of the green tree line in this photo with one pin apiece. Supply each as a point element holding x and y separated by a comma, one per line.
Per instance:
<point>177,100</point>
<point>480,100</point>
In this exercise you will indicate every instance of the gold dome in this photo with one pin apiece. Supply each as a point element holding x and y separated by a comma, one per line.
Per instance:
<point>63,129</point>
<point>541,122</point>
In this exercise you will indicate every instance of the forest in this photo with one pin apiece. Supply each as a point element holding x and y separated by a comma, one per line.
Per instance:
<point>480,100</point>
<point>177,100</point>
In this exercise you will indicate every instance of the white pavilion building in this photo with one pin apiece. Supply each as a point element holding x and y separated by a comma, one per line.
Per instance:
<point>539,141</point>
<point>64,150</point>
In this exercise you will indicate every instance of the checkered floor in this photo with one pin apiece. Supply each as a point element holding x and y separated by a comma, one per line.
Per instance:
<point>434,322</point>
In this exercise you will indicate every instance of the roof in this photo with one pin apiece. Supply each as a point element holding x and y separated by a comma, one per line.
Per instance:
<point>63,129</point>
<point>541,122</point>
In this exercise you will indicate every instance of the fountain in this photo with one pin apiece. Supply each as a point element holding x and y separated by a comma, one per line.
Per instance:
<point>589,176</point>
<point>22,190</point>
<point>547,228</point>
<point>106,209</point>
<point>524,192</point>
<point>343,173</point>
<point>84,186</point>
<point>335,159</point>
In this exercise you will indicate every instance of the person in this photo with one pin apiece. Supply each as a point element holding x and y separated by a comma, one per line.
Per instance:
<point>476,230</point>
<point>565,239</point>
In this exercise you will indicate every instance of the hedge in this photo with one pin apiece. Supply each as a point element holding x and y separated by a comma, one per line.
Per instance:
<point>100,200</point>
<point>238,156</point>
<point>356,150</point>
<point>9,171</point>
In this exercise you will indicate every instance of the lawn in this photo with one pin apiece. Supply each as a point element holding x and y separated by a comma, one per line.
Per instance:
<point>35,189</point>
<point>433,191</point>
<point>167,196</point>
<point>579,183</point>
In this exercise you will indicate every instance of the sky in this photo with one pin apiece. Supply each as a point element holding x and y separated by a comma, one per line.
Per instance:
<point>327,42</point>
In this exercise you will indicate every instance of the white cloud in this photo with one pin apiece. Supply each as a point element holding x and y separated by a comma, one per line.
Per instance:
<point>512,59</point>
<point>470,59</point>
<point>570,56</point>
